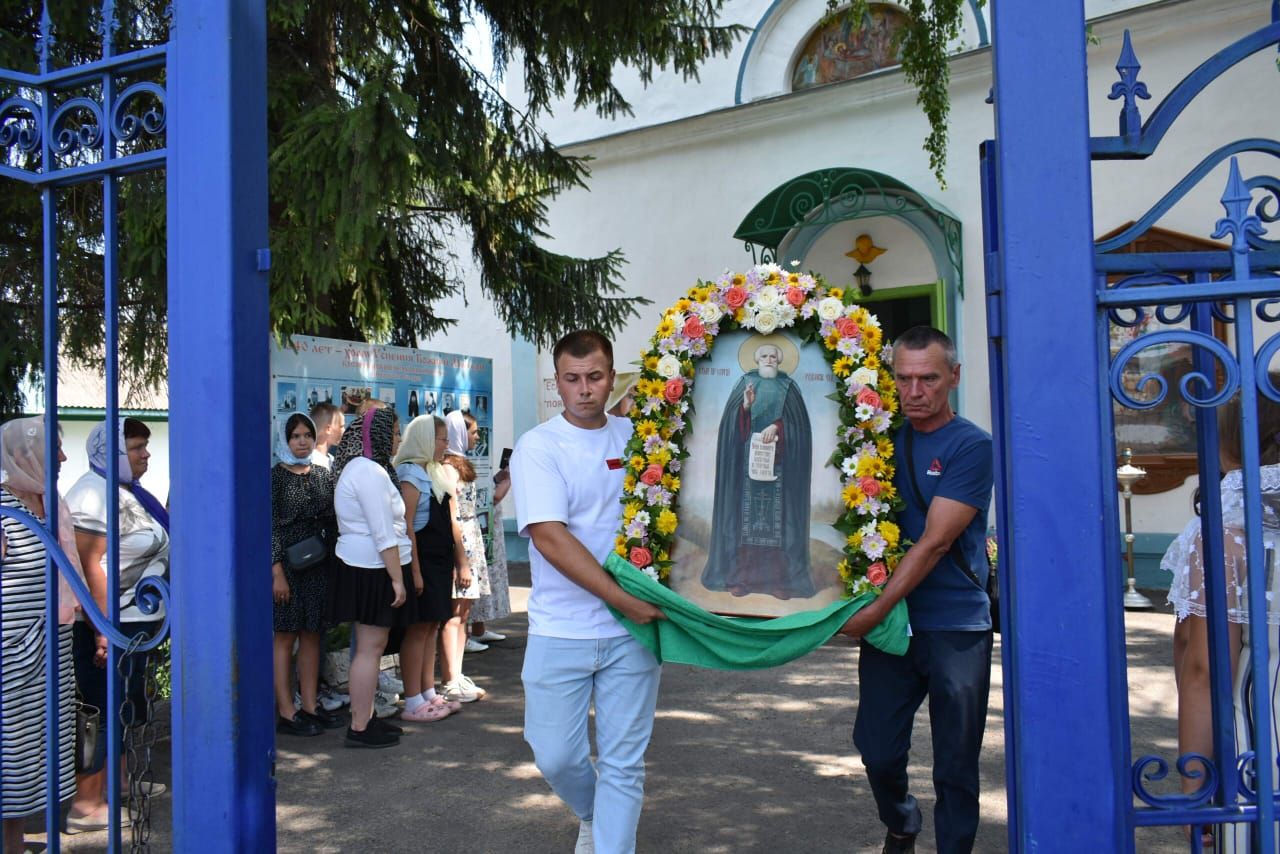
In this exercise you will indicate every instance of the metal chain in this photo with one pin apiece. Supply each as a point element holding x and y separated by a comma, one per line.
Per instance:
<point>140,736</point>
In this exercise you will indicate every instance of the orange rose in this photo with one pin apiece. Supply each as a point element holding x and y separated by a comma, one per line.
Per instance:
<point>877,574</point>
<point>641,557</point>
<point>869,396</point>
<point>652,476</point>
<point>693,327</point>
<point>735,297</point>
<point>870,486</point>
<point>796,297</point>
<point>847,328</point>
<point>673,390</point>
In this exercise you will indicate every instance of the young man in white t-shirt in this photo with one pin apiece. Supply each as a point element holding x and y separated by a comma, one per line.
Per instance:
<point>566,475</point>
<point>329,426</point>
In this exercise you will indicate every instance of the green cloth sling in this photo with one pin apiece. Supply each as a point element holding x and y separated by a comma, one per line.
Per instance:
<point>691,635</point>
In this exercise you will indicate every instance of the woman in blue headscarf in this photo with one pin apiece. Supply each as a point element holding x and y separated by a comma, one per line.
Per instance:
<point>143,536</point>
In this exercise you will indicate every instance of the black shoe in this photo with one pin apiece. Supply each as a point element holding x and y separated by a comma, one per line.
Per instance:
<point>325,718</point>
<point>895,844</point>
<point>371,737</point>
<point>299,724</point>
<point>385,725</point>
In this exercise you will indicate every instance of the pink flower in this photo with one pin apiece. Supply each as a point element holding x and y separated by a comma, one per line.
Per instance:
<point>870,397</point>
<point>673,390</point>
<point>870,486</point>
<point>693,327</point>
<point>735,297</point>
<point>796,297</point>
<point>641,557</point>
<point>877,573</point>
<point>847,328</point>
<point>652,476</point>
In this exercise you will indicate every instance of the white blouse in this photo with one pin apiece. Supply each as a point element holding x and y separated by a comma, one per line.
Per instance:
<point>1185,558</point>
<point>370,515</point>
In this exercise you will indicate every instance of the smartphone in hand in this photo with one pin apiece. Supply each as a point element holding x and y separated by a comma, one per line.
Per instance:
<point>506,459</point>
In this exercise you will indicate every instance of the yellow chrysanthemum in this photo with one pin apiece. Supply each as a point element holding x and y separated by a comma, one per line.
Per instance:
<point>651,363</point>
<point>621,549</point>
<point>893,559</point>
<point>871,361</point>
<point>871,338</point>
<point>663,557</point>
<point>646,428</point>
<point>740,314</point>
<point>888,492</point>
<point>637,463</point>
<point>662,456</point>
<point>793,278</point>
<point>884,446</point>
<point>666,328</point>
<point>842,367</point>
<point>665,432</point>
<point>854,540</point>
<point>738,280</point>
<point>891,533</point>
<point>629,510</point>
<point>683,305</point>
<point>667,522</point>
<point>852,495</point>
<point>674,486</point>
<point>846,571</point>
<point>838,293</point>
<point>629,483</point>
<point>832,340</point>
<point>772,279</point>
<point>860,317</point>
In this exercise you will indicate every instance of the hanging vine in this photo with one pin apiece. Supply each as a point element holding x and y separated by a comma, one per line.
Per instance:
<point>931,27</point>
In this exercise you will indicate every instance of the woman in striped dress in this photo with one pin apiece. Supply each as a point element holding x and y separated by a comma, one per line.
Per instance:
<point>23,594</point>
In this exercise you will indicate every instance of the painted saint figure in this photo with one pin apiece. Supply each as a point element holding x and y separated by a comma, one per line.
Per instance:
<point>760,520</point>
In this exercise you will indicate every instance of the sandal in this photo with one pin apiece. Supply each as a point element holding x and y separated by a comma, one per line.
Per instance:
<point>426,713</point>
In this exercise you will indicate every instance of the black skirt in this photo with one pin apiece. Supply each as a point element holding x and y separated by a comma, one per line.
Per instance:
<point>435,558</point>
<point>364,595</point>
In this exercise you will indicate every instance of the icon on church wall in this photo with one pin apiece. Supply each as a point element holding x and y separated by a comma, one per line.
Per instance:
<point>839,51</point>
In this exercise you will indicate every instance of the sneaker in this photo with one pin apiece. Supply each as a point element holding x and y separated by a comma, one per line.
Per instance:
<point>895,844</point>
<point>388,683</point>
<point>373,737</point>
<point>490,637</point>
<point>426,713</point>
<point>479,692</point>
<point>298,725</point>
<point>385,705</point>
<point>585,844</point>
<point>474,645</point>
<point>382,723</point>
<point>324,717</point>
<point>459,692</point>
<point>331,700</point>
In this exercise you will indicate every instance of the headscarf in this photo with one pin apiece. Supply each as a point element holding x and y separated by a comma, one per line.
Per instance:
<point>459,441</point>
<point>419,446</point>
<point>283,452</point>
<point>97,450</point>
<point>22,444</point>
<point>368,436</point>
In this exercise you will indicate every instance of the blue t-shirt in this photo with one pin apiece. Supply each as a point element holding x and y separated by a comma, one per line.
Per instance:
<point>953,462</point>
<point>417,475</point>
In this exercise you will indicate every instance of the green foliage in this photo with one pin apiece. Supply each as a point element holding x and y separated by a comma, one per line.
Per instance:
<point>932,25</point>
<point>386,148</point>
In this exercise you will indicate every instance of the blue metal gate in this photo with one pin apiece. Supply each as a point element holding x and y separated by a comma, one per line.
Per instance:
<point>195,107</point>
<point>1052,299</point>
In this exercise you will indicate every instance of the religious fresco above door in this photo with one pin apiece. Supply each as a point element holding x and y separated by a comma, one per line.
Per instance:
<point>838,51</point>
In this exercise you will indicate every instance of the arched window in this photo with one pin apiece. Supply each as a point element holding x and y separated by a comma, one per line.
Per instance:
<point>841,51</point>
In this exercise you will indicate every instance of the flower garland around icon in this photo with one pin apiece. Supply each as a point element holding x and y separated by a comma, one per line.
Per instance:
<point>765,299</point>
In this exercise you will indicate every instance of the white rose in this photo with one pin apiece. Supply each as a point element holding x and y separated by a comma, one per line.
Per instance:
<point>864,376</point>
<point>766,321</point>
<point>669,366</point>
<point>768,296</point>
<point>710,312</point>
<point>830,308</point>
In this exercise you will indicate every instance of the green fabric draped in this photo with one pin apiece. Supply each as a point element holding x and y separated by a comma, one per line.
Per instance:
<point>691,635</point>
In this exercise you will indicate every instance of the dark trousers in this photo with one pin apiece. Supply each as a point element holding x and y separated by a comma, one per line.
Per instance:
<point>954,670</point>
<point>91,682</point>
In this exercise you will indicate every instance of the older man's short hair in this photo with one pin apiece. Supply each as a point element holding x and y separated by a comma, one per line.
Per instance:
<point>922,337</point>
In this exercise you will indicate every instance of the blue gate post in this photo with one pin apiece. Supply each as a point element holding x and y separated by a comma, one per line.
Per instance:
<point>223,740</point>
<point>1065,699</point>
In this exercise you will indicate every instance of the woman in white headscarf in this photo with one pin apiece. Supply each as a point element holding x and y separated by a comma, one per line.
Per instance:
<point>471,575</point>
<point>23,592</point>
<point>143,537</point>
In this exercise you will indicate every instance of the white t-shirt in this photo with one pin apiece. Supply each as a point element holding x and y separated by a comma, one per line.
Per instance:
<point>561,473</point>
<point>144,543</point>
<point>370,515</point>
<point>321,458</point>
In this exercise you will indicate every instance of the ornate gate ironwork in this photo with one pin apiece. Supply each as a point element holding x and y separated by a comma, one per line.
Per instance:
<point>1067,717</point>
<point>194,106</point>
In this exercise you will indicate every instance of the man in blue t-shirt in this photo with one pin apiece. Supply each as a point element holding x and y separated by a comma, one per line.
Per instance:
<point>944,475</point>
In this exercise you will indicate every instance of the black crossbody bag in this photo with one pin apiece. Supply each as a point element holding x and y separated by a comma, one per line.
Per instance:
<point>992,587</point>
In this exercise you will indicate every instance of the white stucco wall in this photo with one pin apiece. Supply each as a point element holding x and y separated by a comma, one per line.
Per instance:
<point>74,435</point>
<point>670,193</point>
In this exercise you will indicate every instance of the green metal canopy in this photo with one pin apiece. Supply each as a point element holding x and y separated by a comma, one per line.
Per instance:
<point>828,196</point>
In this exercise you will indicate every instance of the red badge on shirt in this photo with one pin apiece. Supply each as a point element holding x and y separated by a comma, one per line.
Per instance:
<point>614,464</point>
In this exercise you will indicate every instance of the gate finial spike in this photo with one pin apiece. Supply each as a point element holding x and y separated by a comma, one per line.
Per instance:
<point>44,42</point>
<point>1238,222</point>
<point>107,27</point>
<point>1129,88</point>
